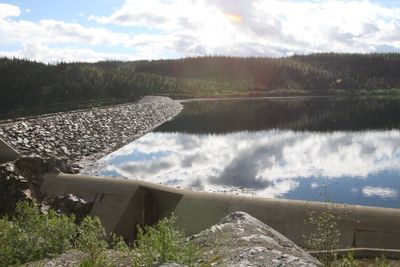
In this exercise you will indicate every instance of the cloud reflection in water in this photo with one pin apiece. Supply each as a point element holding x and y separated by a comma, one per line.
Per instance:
<point>268,163</point>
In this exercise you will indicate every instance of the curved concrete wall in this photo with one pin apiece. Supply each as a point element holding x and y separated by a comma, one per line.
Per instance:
<point>122,204</point>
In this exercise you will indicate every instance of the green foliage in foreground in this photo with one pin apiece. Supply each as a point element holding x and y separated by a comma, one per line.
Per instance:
<point>31,236</point>
<point>325,238</point>
<point>350,261</point>
<point>163,243</point>
<point>91,239</point>
<point>326,235</point>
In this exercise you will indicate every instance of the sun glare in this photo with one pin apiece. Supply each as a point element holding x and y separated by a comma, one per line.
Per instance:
<point>233,17</point>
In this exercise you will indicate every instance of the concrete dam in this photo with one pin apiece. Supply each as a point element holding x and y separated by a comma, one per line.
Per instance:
<point>123,204</point>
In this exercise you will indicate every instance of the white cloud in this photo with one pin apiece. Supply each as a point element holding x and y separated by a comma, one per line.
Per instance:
<point>266,27</point>
<point>381,192</point>
<point>266,162</point>
<point>52,40</point>
<point>222,27</point>
<point>43,53</point>
<point>7,10</point>
<point>58,32</point>
<point>314,185</point>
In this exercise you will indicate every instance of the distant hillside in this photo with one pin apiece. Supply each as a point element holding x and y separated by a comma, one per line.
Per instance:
<point>316,72</point>
<point>32,86</point>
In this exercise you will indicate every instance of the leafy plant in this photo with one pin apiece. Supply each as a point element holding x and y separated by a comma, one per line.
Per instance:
<point>118,243</point>
<point>347,261</point>
<point>163,243</point>
<point>30,236</point>
<point>91,240</point>
<point>382,262</point>
<point>326,234</point>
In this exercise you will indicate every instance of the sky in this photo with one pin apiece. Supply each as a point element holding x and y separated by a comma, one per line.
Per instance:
<point>93,30</point>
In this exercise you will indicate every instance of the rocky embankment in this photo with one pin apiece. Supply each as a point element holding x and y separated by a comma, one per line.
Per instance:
<point>67,142</point>
<point>89,134</point>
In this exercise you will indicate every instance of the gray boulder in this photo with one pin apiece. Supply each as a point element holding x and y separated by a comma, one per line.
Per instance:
<point>13,188</point>
<point>68,204</point>
<point>241,240</point>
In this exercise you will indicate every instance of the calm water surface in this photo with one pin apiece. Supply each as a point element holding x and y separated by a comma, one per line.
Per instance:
<point>281,148</point>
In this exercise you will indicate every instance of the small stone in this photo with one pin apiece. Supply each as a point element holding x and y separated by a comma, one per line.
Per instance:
<point>65,150</point>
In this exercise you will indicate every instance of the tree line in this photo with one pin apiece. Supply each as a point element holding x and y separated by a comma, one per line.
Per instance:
<point>26,85</point>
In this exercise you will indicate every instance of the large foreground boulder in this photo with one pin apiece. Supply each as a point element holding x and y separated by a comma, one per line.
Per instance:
<point>242,240</point>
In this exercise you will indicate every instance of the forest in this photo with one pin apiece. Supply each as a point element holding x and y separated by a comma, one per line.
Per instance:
<point>34,87</point>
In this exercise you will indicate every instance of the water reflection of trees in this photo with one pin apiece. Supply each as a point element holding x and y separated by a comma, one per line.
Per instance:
<point>323,114</point>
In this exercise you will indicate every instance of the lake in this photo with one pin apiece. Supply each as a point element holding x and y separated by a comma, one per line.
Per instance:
<point>323,149</point>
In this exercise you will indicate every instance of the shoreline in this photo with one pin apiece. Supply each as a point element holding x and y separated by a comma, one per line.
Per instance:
<point>272,97</point>
<point>250,98</point>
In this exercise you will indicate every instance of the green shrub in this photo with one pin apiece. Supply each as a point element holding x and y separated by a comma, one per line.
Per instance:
<point>118,244</point>
<point>326,234</point>
<point>347,261</point>
<point>30,236</point>
<point>163,243</point>
<point>92,240</point>
<point>382,262</point>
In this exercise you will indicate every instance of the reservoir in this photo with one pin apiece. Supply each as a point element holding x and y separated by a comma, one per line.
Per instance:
<point>321,149</point>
